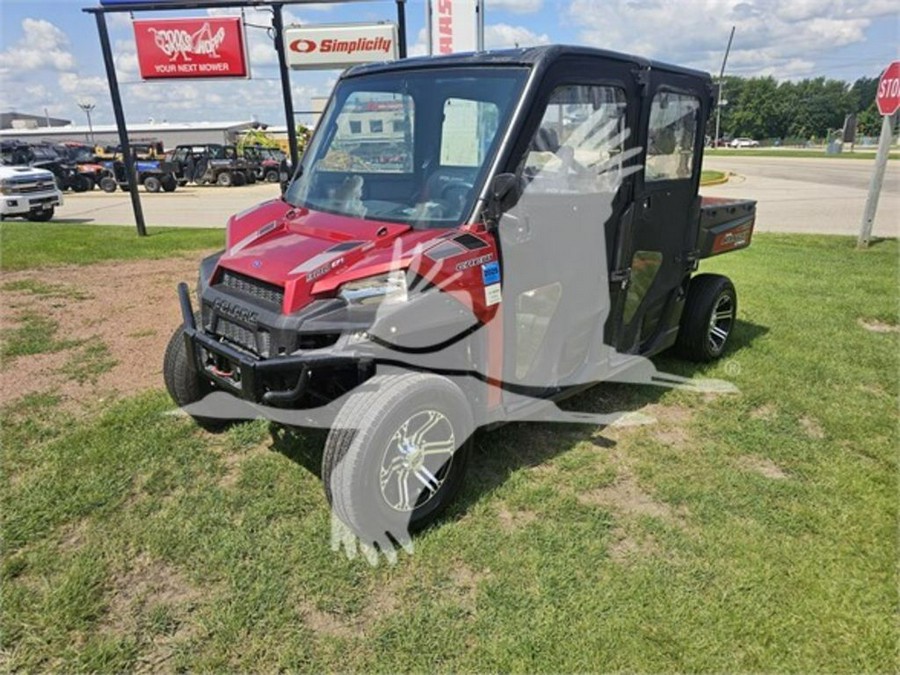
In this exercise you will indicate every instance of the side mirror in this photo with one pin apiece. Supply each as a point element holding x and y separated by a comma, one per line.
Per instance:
<point>505,190</point>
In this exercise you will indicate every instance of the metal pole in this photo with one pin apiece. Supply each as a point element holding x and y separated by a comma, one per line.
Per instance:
<point>401,28</point>
<point>278,25</point>
<point>120,123</point>
<point>868,219</point>
<point>721,87</point>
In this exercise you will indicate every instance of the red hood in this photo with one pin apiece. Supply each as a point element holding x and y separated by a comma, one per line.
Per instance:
<point>310,252</point>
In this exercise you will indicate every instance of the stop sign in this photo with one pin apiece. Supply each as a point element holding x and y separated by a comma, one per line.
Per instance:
<point>888,96</point>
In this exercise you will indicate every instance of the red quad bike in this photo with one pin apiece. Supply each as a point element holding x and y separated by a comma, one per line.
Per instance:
<point>468,239</point>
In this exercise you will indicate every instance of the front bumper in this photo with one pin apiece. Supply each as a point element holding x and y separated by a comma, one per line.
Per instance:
<point>277,381</point>
<point>23,204</point>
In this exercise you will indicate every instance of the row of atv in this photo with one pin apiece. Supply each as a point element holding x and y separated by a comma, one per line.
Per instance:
<point>80,167</point>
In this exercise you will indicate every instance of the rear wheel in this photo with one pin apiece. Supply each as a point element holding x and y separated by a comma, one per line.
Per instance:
<point>224,179</point>
<point>272,176</point>
<point>184,384</point>
<point>239,178</point>
<point>152,184</point>
<point>41,216</point>
<point>108,184</point>
<point>708,319</point>
<point>83,183</point>
<point>169,183</point>
<point>397,454</point>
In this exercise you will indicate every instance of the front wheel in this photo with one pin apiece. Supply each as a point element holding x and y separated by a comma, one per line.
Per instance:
<point>397,454</point>
<point>40,216</point>
<point>224,179</point>
<point>108,184</point>
<point>707,322</point>
<point>184,384</point>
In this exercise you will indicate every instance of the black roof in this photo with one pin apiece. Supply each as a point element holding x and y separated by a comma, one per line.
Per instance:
<point>525,56</point>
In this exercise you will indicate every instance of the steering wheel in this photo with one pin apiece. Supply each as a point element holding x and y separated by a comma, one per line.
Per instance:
<point>455,192</point>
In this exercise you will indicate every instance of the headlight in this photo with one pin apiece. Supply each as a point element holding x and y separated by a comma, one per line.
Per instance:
<point>382,288</point>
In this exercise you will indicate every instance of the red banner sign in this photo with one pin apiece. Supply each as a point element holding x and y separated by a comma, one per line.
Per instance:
<point>186,48</point>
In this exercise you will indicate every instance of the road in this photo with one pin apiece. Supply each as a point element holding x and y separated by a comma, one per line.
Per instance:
<point>815,195</point>
<point>823,196</point>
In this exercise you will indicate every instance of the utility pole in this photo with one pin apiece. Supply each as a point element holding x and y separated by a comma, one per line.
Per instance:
<point>721,88</point>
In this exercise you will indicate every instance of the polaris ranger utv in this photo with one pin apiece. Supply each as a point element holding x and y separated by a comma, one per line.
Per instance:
<point>467,238</point>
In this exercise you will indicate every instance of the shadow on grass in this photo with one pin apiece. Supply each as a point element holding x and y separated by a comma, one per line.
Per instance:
<point>517,445</point>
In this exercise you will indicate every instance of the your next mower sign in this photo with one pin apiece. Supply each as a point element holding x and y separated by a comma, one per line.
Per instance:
<point>191,48</point>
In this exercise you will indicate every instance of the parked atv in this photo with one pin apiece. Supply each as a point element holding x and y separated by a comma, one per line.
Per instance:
<point>211,164</point>
<point>154,175</point>
<point>537,230</point>
<point>82,155</point>
<point>269,164</point>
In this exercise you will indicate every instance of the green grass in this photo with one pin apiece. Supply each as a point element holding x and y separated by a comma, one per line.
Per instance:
<point>788,152</point>
<point>134,540</point>
<point>35,334</point>
<point>707,177</point>
<point>30,245</point>
<point>89,363</point>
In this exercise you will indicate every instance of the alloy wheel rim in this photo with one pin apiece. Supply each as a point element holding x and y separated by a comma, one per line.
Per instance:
<point>417,460</point>
<point>720,323</point>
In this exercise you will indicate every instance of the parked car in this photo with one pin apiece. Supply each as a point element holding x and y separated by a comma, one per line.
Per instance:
<point>28,192</point>
<point>86,163</point>
<point>45,156</point>
<point>516,262</point>
<point>744,143</point>
<point>154,175</point>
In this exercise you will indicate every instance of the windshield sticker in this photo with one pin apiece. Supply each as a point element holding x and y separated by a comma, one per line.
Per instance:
<point>492,295</point>
<point>490,273</point>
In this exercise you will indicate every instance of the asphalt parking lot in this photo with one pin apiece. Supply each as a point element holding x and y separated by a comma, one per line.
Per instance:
<point>812,195</point>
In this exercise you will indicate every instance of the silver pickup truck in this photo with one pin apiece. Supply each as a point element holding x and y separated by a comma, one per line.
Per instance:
<point>27,192</point>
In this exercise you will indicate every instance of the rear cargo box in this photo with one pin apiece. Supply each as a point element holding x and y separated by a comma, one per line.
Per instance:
<point>725,225</point>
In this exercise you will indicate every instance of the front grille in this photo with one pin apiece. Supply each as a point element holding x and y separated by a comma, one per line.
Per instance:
<point>27,188</point>
<point>253,288</point>
<point>244,337</point>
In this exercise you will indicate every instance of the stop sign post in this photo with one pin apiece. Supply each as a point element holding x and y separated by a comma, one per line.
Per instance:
<point>887,98</point>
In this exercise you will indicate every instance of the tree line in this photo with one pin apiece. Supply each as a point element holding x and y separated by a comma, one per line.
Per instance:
<point>796,112</point>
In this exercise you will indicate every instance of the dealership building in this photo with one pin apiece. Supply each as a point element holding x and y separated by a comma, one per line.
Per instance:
<point>170,133</point>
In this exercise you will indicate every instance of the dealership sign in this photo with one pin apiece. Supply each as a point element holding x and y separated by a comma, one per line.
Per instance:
<point>455,26</point>
<point>339,46</point>
<point>190,48</point>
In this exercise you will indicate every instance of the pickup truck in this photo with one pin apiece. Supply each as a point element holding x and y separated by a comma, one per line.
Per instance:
<point>468,238</point>
<point>28,192</point>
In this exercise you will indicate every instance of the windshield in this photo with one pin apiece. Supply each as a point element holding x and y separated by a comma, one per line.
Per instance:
<point>408,146</point>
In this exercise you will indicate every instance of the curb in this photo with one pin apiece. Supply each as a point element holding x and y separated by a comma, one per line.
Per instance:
<point>717,181</point>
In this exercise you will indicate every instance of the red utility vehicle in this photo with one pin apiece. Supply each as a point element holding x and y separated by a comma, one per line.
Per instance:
<point>467,238</point>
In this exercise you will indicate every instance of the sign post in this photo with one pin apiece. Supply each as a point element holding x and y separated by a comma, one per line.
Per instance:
<point>888,101</point>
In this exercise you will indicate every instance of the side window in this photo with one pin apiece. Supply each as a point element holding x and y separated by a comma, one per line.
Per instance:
<point>579,144</point>
<point>672,134</point>
<point>467,131</point>
<point>374,134</point>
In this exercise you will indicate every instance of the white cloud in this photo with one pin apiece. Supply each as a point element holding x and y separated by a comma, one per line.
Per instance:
<point>516,6</point>
<point>501,36</point>
<point>783,39</point>
<point>42,46</point>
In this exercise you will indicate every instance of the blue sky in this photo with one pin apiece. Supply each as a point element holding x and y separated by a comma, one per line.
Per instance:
<point>50,55</point>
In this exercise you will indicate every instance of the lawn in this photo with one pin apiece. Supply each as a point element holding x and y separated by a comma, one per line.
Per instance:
<point>26,245</point>
<point>747,532</point>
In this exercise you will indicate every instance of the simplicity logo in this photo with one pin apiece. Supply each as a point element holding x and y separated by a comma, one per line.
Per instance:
<point>331,46</point>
